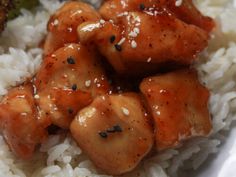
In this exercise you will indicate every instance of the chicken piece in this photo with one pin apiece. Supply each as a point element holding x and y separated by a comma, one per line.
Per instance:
<point>67,81</point>
<point>112,9</point>
<point>114,131</point>
<point>20,122</point>
<point>179,106</point>
<point>61,105</point>
<point>141,42</point>
<point>63,24</point>
<point>186,11</point>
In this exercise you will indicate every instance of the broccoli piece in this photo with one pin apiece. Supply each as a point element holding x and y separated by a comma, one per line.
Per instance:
<point>5,6</point>
<point>18,4</point>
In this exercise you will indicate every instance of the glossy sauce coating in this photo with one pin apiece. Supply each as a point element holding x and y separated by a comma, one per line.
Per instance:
<point>20,121</point>
<point>114,131</point>
<point>186,11</point>
<point>67,81</point>
<point>179,106</point>
<point>63,24</point>
<point>144,40</point>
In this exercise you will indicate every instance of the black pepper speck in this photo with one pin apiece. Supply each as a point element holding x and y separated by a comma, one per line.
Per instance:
<point>118,47</point>
<point>142,7</point>
<point>74,87</point>
<point>71,60</point>
<point>117,128</point>
<point>70,111</point>
<point>103,134</point>
<point>112,38</point>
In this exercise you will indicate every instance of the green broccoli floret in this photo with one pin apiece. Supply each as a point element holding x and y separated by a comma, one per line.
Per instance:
<point>18,4</point>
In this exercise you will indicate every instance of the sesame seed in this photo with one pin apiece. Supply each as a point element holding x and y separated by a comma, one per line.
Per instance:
<point>125,111</point>
<point>121,41</point>
<point>88,83</point>
<point>111,130</point>
<point>133,44</point>
<point>149,13</point>
<point>71,60</point>
<point>95,80</point>
<point>118,45</point>
<point>70,29</point>
<point>136,30</point>
<point>149,59</point>
<point>102,21</point>
<point>178,3</point>
<point>56,22</point>
<point>36,96</point>
<point>123,14</point>
<point>133,34</point>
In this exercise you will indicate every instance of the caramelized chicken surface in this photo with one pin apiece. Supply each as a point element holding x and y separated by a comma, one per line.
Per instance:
<point>179,106</point>
<point>63,24</point>
<point>186,11</point>
<point>20,121</point>
<point>142,40</point>
<point>114,131</point>
<point>67,81</point>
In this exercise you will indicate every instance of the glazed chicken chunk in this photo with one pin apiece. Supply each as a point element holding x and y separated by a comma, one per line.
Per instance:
<point>20,121</point>
<point>179,106</point>
<point>140,41</point>
<point>186,11</point>
<point>114,131</point>
<point>67,81</point>
<point>63,24</point>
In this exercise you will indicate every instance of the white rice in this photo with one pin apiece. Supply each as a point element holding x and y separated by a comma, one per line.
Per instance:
<point>20,58</point>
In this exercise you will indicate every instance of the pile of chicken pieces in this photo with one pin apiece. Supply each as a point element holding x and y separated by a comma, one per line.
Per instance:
<point>73,89</point>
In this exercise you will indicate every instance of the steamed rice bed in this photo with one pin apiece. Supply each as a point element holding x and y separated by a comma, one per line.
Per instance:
<point>20,58</point>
